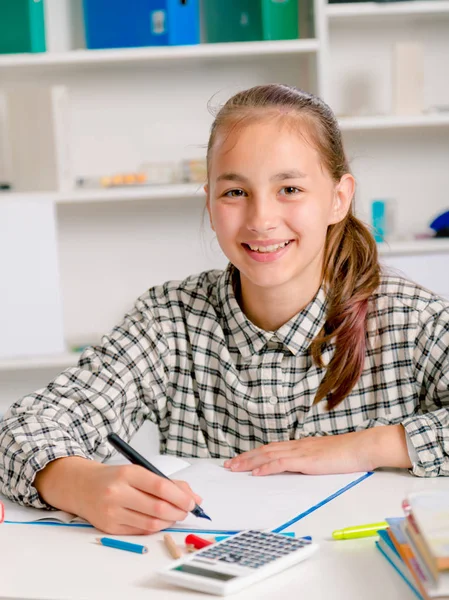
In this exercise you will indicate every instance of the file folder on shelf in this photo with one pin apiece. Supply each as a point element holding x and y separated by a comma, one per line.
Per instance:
<point>22,26</point>
<point>249,20</point>
<point>280,19</point>
<point>118,24</point>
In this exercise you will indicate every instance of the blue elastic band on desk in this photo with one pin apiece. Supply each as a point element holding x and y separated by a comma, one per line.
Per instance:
<point>323,502</point>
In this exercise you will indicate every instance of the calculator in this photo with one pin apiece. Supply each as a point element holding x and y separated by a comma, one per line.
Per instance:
<point>237,562</point>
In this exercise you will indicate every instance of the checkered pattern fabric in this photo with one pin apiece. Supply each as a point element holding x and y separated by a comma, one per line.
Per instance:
<point>188,359</point>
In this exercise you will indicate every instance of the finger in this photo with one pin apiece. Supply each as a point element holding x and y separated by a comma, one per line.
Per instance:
<point>253,462</point>
<point>261,450</point>
<point>121,530</point>
<point>162,488</point>
<point>152,506</point>
<point>185,486</point>
<point>143,522</point>
<point>283,464</point>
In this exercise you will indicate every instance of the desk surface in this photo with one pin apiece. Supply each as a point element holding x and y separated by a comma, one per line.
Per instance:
<point>61,563</point>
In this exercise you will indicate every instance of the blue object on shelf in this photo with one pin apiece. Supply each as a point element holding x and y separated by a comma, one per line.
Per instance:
<point>441,222</point>
<point>114,24</point>
<point>378,216</point>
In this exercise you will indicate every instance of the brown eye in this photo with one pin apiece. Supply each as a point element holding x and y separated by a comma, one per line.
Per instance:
<point>234,193</point>
<point>289,190</point>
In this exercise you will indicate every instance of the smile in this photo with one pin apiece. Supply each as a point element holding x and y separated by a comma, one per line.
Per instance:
<point>265,249</point>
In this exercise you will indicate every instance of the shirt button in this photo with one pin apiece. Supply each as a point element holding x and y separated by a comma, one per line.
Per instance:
<point>273,400</point>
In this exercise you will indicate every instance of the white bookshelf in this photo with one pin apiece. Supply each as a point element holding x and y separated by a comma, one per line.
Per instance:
<point>186,192</point>
<point>151,104</point>
<point>367,10</point>
<point>136,56</point>
<point>414,247</point>
<point>31,363</point>
<point>394,122</point>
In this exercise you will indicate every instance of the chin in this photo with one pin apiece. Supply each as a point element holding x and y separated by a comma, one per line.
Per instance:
<point>266,280</point>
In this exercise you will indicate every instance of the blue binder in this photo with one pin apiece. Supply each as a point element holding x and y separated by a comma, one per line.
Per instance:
<point>134,23</point>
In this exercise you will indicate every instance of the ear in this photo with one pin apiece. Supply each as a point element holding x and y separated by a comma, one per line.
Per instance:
<point>206,189</point>
<point>343,195</point>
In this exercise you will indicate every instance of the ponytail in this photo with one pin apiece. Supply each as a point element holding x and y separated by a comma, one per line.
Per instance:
<point>352,274</point>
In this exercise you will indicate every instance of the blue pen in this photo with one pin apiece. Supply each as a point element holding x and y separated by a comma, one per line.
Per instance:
<point>121,545</point>
<point>137,459</point>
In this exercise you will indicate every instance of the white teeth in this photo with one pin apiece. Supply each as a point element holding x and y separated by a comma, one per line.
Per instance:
<point>272,248</point>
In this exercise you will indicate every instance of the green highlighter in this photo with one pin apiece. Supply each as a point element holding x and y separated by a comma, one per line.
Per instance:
<point>359,531</point>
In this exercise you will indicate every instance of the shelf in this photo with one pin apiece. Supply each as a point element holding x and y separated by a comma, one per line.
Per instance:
<point>393,122</point>
<point>363,10</point>
<point>431,246</point>
<point>68,359</point>
<point>125,194</point>
<point>157,53</point>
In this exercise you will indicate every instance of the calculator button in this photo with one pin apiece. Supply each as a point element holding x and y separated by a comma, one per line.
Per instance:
<point>246,563</point>
<point>231,558</point>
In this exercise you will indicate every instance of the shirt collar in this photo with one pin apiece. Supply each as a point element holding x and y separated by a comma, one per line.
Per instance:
<point>296,334</point>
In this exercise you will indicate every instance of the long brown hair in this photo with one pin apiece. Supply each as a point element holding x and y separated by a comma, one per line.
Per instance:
<point>351,269</point>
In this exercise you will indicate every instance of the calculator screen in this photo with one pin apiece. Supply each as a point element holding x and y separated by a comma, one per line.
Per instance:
<point>186,568</point>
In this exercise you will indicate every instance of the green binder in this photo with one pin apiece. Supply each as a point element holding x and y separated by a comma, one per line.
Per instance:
<point>249,20</point>
<point>280,19</point>
<point>22,26</point>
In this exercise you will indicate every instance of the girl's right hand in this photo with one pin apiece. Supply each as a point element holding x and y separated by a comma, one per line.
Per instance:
<point>125,499</point>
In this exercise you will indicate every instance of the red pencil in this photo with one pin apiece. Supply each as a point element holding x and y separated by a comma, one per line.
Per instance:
<point>196,541</point>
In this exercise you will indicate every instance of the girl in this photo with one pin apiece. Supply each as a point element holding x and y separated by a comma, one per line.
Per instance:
<point>301,356</point>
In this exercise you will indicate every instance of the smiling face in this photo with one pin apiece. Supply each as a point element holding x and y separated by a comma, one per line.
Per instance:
<point>270,202</point>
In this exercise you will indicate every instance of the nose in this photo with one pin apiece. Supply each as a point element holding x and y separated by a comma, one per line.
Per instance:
<point>263,215</point>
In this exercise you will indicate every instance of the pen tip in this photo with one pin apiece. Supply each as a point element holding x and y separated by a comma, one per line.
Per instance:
<point>199,512</point>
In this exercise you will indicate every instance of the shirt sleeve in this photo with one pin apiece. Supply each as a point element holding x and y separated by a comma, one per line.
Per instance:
<point>428,431</point>
<point>115,388</point>
<point>412,453</point>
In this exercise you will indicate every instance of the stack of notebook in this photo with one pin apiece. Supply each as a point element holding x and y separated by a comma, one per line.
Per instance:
<point>417,545</point>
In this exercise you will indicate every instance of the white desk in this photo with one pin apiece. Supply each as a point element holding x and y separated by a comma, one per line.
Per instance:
<point>61,563</point>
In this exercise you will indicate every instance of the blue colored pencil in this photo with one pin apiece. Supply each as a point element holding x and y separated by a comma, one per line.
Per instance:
<point>121,545</point>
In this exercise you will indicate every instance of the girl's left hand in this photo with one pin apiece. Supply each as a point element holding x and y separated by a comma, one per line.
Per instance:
<point>344,453</point>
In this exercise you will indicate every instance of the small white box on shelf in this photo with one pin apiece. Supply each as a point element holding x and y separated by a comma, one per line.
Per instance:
<point>408,78</point>
<point>64,25</point>
<point>31,318</point>
<point>35,132</point>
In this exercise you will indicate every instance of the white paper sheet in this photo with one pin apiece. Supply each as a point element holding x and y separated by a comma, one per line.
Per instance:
<point>237,501</point>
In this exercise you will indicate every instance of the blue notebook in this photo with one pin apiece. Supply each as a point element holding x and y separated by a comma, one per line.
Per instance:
<point>388,551</point>
<point>113,24</point>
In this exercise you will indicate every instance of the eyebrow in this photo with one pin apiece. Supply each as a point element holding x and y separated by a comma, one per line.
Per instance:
<point>293,174</point>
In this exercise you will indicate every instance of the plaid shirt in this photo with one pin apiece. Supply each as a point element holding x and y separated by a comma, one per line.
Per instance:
<point>187,358</point>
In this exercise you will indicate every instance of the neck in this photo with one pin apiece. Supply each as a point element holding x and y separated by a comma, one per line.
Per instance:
<point>270,308</point>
